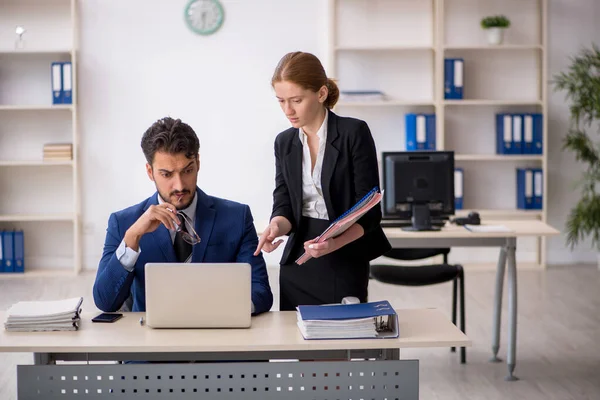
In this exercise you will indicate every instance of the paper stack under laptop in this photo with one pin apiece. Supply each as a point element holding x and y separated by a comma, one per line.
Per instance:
<point>29,316</point>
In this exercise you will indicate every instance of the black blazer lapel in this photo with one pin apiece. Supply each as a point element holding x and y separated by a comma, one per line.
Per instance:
<point>162,236</point>
<point>205,220</point>
<point>293,162</point>
<point>329,162</point>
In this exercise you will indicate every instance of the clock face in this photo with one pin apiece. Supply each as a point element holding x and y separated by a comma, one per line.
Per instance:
<point>204,17</point>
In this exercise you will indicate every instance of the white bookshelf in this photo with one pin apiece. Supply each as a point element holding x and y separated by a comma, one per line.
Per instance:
<point>40,197</point>
<point>34,163</point>
<point>399,46</point>
<point>384,103</point>
<point>66,217</point>
<point>487,102</point>
<point>503,47</point>
<point>385,48</point>
<point>498,157</point>
<point>511,214</point>
<point>9,107</point>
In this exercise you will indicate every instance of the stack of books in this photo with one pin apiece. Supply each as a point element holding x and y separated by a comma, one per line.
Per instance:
<point>30,316</point>
<point>348,321</point>
<point>58,152</point>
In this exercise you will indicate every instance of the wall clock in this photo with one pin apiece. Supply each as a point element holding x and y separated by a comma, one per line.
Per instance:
<point>204,17</point>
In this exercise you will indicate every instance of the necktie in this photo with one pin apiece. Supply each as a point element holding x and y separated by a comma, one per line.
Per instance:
<point>182,248</point>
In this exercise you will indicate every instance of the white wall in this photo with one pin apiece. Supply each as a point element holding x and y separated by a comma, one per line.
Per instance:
<point>138,63</point>
<point>572,25</point>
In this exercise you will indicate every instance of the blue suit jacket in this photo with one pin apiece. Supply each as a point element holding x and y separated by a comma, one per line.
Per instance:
<point>228,235</point>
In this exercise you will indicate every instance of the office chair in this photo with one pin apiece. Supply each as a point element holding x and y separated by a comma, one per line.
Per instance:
<point>425,275</point>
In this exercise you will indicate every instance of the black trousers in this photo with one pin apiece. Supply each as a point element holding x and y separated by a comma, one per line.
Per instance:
<point>324,280</point>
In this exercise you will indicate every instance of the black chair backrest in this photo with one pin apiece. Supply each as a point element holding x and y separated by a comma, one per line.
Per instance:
<point>416,254</point>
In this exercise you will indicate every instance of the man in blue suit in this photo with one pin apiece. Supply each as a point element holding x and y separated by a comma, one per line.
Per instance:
<point>156,231</point>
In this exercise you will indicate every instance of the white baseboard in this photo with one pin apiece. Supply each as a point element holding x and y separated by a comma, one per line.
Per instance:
<point>567,257</point>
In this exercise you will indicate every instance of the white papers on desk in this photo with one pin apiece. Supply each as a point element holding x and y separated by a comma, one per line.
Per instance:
<point>29,316</point>
<point>487,228</point>
<point>346,329</point>
<point>348,321</point>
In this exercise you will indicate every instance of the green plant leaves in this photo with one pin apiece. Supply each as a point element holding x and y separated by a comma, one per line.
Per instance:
<point>584,220</point>
<point>581,84</point>
<point>583,147</point>
<point>495,21</point>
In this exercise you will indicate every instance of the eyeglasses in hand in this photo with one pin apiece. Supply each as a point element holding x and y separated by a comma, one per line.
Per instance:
<point>190,237</point>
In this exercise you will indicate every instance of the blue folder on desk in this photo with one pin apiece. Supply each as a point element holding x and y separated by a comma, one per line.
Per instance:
<point>375,320</point>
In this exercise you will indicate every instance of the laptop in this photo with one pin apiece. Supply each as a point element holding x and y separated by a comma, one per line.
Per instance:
<point>198,295</point>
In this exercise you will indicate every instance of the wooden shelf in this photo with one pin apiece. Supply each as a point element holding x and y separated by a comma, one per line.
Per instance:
<point>61,107</point>
<point>37,217</point>
<point>498,47</point>
<point>386,103</point>
<point>38,273</point>
<point>35,163</point>
<point>385,48</point>
<point>35,52</point>
<point>498,157</point>
<point>492,102</point>
<point>503,214</point>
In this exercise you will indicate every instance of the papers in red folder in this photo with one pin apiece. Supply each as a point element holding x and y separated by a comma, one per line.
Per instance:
<point>346,220</point>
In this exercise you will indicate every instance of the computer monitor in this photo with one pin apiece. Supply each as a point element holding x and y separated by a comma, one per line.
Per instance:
<point>419,186</point>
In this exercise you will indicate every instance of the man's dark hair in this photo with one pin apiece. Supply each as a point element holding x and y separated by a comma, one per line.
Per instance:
<point>171,136</point>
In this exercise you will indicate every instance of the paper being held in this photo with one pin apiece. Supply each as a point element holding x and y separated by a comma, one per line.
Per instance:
<point>341,224</point>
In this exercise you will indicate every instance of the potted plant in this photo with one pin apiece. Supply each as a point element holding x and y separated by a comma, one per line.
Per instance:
<point>495,25</point>
<point>581,82</point>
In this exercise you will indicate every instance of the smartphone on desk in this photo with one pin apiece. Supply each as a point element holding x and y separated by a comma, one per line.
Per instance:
<point>107,317</point>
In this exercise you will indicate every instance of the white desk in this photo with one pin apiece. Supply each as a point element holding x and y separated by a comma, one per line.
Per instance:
<point>273,335</point>
<point>457,236</point>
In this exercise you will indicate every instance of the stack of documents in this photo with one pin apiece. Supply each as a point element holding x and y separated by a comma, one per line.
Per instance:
<point>58,152</point>
<point>346,220</point>
<point>487,228</point>
<point>348,321</point>
<point>29,316</point>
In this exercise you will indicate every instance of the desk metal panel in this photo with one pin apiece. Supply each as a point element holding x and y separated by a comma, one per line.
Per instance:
<point>394,379</point>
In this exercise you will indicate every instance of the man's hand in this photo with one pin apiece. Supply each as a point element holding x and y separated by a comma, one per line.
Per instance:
<point>271,232</point>
<point>155,215</point>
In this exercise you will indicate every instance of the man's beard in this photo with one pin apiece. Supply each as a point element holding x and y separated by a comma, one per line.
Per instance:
<point>167,197</point>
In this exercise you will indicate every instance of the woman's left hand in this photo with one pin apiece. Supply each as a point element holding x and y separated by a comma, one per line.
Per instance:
<point>317,250</point>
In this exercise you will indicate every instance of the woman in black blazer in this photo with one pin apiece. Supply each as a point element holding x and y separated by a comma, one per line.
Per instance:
<point>324,164</point>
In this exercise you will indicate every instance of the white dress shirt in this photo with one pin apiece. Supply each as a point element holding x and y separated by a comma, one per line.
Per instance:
<point>313,203</point>
<point>127,256</point>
